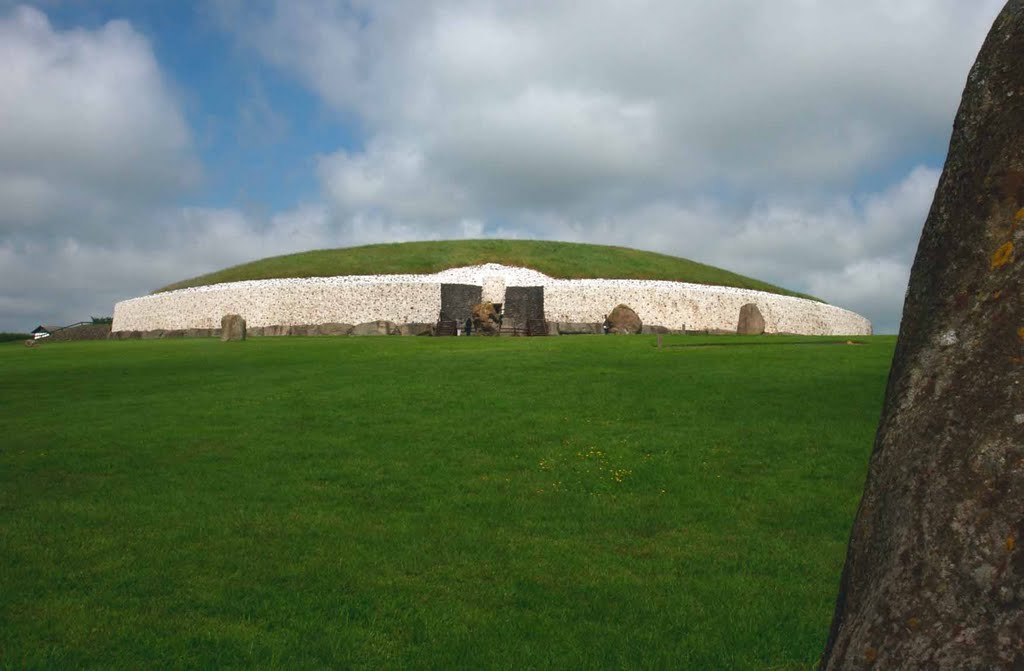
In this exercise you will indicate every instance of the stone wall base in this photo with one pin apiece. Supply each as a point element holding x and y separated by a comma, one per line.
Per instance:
<point>307,330</point>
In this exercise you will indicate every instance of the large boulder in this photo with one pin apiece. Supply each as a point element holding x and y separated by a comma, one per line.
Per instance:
<point>485,319</point>
<point>623,321</point>
<point>934,574</point>
<point>375,328</point>
<point>751,322</point>
<point>232,327</point>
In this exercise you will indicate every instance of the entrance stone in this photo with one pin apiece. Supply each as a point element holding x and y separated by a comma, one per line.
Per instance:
<point>485,319</point>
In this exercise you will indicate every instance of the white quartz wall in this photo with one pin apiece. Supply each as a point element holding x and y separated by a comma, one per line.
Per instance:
<point>417,298</point>
<point>678,305</point>
<point>277,302</point>
<point>493,289</point>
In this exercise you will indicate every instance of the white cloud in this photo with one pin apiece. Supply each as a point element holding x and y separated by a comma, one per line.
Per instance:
<point>91,141</point>
<point>539,104</point>
<point>87,127</point>
<point>390,178</point>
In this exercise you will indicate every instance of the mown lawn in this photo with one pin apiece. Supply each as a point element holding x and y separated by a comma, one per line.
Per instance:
<point>415,503</point>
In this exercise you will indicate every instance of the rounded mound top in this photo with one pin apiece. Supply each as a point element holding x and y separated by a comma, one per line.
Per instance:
<point>562,260</point>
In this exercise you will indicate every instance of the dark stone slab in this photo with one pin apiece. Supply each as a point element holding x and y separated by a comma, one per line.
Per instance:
<point>457,301</point>
<point>522,304</point>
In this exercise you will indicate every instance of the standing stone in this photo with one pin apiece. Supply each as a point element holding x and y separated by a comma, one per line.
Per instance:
<point>934,575</point>
<point>623,320</point>
<point>232,327</point>
<point>751,322</point>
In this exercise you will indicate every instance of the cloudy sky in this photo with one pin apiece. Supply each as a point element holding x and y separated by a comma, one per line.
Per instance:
<point>796,141</point>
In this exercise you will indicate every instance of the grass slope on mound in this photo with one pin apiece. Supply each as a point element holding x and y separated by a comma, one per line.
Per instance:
<point>379,503</point>
<point>565,260</point>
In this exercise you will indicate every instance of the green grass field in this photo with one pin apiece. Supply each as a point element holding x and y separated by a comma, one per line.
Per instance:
<point>557,259</point>
<point>429,503</point>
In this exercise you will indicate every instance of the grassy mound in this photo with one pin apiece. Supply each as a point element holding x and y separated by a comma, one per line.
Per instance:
<point>367,503</point>
<point>565,260</point>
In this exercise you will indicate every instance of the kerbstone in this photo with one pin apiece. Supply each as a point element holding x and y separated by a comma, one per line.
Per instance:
<point>335,329</point>
<point>380,327</point>
<point>623,320</point>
